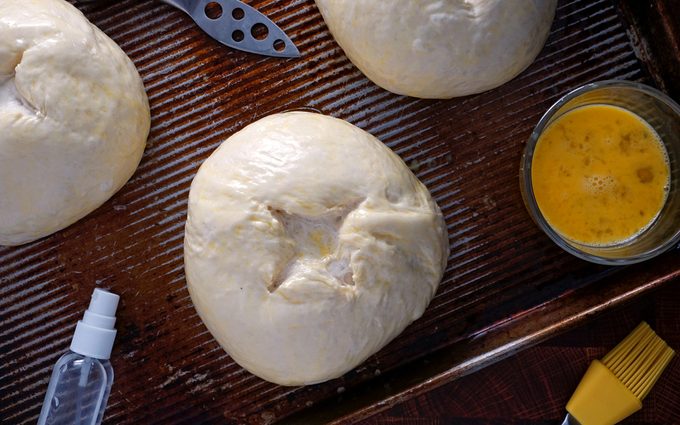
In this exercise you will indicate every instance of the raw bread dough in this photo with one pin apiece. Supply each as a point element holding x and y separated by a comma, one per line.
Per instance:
<point>439,48</point>
<point>74,118</point>
<point>309,246</point>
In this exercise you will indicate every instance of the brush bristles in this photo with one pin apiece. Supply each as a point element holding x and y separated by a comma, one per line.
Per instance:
<point>639,360</point>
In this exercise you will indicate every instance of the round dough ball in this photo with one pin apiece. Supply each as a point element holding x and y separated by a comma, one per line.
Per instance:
<point>74,118</point>
<point>309,246</point>
<point>439,49</point>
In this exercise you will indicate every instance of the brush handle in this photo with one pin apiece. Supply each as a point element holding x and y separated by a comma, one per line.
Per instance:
<point>569,420</point>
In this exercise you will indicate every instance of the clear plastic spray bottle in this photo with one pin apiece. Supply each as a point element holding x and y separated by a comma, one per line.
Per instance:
<point>82,378</point>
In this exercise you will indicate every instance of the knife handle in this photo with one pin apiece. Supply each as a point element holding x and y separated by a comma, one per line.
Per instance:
<point>239,32</point>
<point>185,5</point>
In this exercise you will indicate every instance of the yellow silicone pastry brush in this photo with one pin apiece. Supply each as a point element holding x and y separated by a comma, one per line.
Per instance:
<point>613,389</point>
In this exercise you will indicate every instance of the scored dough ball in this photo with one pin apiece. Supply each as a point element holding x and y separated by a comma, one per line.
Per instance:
<point>74,118</point>
<point>439,49</point>
<point>309,246</point>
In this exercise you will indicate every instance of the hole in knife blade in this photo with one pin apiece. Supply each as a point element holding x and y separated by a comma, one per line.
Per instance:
<point>237,35</point>
<point>259,31</point>
<point>213,10</point>
<point>238,13</point>
<point>279,45</point>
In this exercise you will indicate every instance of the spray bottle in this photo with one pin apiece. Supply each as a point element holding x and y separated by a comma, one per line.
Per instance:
<point>81,380</point>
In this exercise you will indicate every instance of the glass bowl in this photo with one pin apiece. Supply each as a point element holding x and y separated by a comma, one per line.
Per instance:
<point>662,114</point>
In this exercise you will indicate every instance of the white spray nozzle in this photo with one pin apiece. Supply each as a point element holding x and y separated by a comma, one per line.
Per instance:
<point>103,302</point>
<point>95,334</point>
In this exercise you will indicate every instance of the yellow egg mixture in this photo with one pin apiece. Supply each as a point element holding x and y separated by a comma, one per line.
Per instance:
<point>600,175</point>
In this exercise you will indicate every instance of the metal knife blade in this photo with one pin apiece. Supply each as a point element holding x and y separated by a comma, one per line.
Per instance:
<point>238,25</point>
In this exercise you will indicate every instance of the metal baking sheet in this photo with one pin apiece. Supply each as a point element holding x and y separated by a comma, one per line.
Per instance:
<point>506,286</point>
